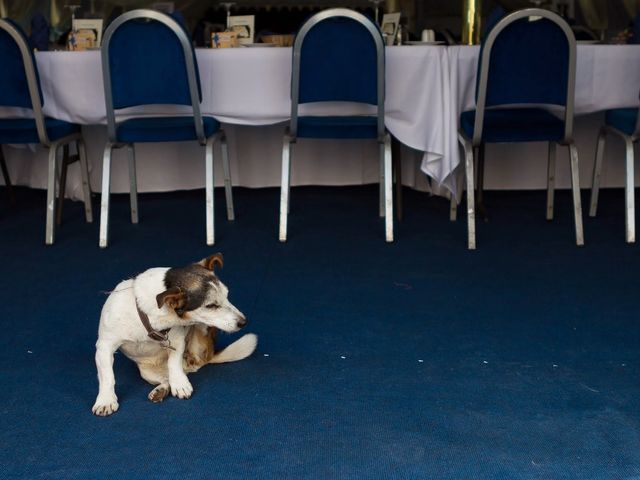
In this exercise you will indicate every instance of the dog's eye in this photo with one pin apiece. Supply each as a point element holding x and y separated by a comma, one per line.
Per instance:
<point>211,305</point>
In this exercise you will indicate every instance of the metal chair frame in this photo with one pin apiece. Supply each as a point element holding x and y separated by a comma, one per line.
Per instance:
<point>383,139</point>
<point>629,184</point>
<point>7,178</point>
<point>53,185</point>
<point>113,143</point>
<point>470,144</point>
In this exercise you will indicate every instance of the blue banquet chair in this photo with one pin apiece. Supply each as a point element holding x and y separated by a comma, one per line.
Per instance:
<point>20,87</point>
<point>338,56</point>
<point>148,59</point>
<point>39,38</point>
<point>526,73</point>
<point>625,123</point>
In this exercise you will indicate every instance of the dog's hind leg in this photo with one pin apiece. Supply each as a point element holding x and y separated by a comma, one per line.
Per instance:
<point>199,348</point>
<point>159,393</point>
<point>156,375</point>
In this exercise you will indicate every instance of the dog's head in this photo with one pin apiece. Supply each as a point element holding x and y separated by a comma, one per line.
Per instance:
<point>197,295</point>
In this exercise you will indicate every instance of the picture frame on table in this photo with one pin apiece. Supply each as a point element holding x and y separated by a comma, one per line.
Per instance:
<point>243,25</point>
<point>89,24</point>
<point>389,26</point>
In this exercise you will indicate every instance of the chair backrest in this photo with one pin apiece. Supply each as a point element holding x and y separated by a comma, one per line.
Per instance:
<point>338,55</point>
<point>147,59</point>
<point>19,81</point>
<point>529,57</point>
<point>39,38</point>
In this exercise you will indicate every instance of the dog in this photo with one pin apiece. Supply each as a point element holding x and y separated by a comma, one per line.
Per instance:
<point>165,320</point>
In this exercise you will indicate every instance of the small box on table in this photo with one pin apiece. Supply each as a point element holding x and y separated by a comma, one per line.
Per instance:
<point>224,39</point>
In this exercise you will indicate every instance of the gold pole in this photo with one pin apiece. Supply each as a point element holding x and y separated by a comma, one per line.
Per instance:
<point>55,13</point>
<point>471,19</point>
<point>392,6</point>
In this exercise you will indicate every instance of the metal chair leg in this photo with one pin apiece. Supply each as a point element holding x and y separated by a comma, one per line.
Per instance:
<point>471,211</point>
<point>453,203</point>
<point>289,186</point>
<point>62,183</point>
<point>209,182</point>
<point>284,187</point>
<point>597,170</point>
<point>381,186</point>
<point>480,206</point>
<point>396,155</point>
<point>86,185</point>
<point>453,208</point>
<point>629,194</point>
<point>575,187</point>
<point>104,200</point>
<point>551,179</point>
<point>228,186</point>
<point>133,183</point>
<point>51,194</point>
<point>388,188</point>
<point>7,178</point>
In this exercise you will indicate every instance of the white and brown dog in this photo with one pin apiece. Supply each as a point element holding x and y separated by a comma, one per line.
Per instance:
<point>165,320</point>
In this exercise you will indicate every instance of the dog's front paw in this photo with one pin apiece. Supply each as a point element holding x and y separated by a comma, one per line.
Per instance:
<point>181,388</point>
<point>105,406</point>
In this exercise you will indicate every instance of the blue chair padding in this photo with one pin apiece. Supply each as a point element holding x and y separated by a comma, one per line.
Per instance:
<point>495,15</point>
<point>23,130</point>
<point>338,127</point>
<point>14,90</point>
<point>39,38</point>
<point>515,125</point>
<point>163,129</point>
<point>338,62</point>
<point>178,16</point>
<point>148,67</point>
<point>623,119</point>
<point>529,64</point>
<point>635,38</point>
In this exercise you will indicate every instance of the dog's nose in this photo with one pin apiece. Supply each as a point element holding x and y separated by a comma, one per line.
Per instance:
<point>242,322</point>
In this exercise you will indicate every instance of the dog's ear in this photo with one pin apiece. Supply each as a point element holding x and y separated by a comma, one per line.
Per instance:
<point>210,262</point>
<point>174,298</point>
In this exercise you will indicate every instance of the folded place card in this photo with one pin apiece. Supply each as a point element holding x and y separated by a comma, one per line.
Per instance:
<point>94,24</point>
<point>243,25</point>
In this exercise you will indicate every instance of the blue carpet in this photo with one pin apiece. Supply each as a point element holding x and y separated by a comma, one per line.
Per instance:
<point>416,360</point>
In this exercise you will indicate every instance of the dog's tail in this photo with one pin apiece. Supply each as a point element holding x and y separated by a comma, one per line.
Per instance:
<point>238,350</point>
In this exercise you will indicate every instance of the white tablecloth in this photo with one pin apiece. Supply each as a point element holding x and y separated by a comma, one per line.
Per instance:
<point>250,87</point>
<point>426,89</point>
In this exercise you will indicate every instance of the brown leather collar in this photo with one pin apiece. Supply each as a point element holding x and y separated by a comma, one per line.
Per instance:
<point>161,336</point>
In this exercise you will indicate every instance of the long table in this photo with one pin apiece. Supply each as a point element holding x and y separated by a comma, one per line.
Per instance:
<point>248,90</point>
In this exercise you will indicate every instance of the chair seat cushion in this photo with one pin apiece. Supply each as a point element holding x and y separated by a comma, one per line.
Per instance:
<point>163,129</point>
<point>338,127</point>
<point>515,125</point>
<point>23,130</point>
<point>623,119</point>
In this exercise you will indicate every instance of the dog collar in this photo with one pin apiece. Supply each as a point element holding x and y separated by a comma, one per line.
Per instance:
<point>158,336</point>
